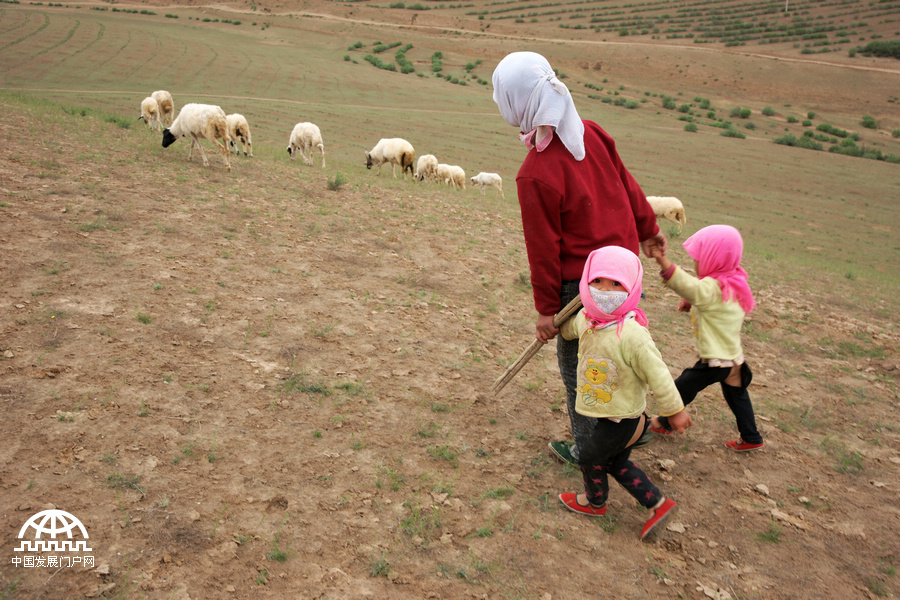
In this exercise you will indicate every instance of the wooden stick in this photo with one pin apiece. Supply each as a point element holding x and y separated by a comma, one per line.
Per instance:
<point>558,319</point>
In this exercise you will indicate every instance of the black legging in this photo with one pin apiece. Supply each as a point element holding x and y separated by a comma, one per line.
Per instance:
<point>603,453</point>
<point>699,377</point>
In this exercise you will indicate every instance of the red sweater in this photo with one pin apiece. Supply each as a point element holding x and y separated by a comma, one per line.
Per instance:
<point>571,208</point>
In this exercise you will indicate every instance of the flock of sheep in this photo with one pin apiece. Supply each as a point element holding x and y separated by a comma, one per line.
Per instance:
<point>399,152</point>
<point>211,122</point>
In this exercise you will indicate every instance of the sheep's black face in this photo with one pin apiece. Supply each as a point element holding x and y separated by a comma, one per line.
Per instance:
<point>368,160</point>
<point>168,138</point>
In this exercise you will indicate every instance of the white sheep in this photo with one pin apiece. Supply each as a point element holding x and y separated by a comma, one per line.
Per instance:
<point>166,106</point>
<point>306,137</point>
<point>452,175</point>
<point>488,180</point>
<point>150,113</point>
<point>200,120</point>
<point>395,151</point>
<point>668,207</point>
<point>426,166</point>
<point>239,131</point>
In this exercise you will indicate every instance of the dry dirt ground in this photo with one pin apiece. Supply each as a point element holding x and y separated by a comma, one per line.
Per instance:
<point>247,385</point>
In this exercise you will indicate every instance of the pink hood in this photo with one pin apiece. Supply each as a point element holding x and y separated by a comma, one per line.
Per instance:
<point>618,264</point>
<point>717,250</point>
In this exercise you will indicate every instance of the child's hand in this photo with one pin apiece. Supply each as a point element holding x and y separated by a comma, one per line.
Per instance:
<point>684,306</point>
<point>658,241</point>
<point>680,421</point>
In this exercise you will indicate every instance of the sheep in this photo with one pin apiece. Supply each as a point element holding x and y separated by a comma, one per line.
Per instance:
<point>198,120</point>
<point>488,180</point>
<point>668,207</point>
<point>426,167</point>
<point>306,137</point>
<point>150,113</point>
<point>452,175</point>
<point>396,151</point>
<point>166,106</point>
<point>239,131</point>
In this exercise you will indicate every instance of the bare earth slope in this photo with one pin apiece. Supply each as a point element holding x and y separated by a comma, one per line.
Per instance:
<point>247,385</point>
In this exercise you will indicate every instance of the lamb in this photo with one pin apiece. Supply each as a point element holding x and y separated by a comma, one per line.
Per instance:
<point>426,167</point>
<point>200,120</point>
<point>488,180</point>
<point>395,151</point>
<point>150,113</point>
<point>239,130</point>
<point>166,105</point>
<point>668,207</point>
<point>306,137</point>
<point>452,175</point>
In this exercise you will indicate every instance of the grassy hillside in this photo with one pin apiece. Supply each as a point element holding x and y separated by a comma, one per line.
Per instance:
<point>794,205</point>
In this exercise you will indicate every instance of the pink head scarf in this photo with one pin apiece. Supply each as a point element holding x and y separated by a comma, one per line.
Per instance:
<point>618,264</point>
<point>717,250</point>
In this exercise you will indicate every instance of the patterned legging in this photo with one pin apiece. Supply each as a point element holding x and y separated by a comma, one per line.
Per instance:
<point>604,454</point>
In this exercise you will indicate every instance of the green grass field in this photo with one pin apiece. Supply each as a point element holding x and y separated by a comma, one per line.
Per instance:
<point>804,214</point>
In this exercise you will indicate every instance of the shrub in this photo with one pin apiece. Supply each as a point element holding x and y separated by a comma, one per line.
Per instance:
<point>810,115</point>
<point>895,133</point>
<point>832,130</point>
<point>733,133</point>
<point>691,127</point>
<point>887,48</point>
<point>801,142</point>
<point>807,123</point>
<point>684,108</point>
<point>669,103</point>
<point>868,122</point>
<point>336,183</point>
<point>768,111</point>
<point>749,125</point>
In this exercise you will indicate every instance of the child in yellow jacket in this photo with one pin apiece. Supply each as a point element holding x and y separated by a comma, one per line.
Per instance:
<point>617,363</point>
<point>718,298</point>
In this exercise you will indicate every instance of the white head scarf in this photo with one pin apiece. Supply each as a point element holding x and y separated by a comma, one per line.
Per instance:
<point>529,94</point>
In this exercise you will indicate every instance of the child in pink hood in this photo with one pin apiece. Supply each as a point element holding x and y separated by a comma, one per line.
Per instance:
<point>617,363</point>
<point>718,299</point>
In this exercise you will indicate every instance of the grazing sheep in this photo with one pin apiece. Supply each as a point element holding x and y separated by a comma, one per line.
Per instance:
<point>166,106</point>
<point>396,151</point>
<point>488,180</point>
<point>668,207</point>
<point>150,113</point>
<point>426,167</point>
<point>200,120</point>
<point>306,137</point>
<point>239,130</point>
<point>452,175</point>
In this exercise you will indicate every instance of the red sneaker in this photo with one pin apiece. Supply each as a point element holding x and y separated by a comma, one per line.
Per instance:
<point>658,515</point>
<point>661,430</point>
<point>740,445</point>
<point>570,501</point>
